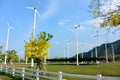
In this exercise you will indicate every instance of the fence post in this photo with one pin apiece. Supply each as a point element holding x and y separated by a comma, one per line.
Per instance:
<point>59,75</point>
<point>23,73</point>
<point>99,77</point>
<point>37,74</point>
<point>13,71</point>
<point>6,69</point>
<point>0,68</point>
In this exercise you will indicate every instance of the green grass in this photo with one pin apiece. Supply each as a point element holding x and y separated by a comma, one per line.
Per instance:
<point>106,69</point>
<point>8,77</point>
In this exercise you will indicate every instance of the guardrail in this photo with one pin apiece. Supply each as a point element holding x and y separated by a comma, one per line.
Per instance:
<point>32,74</point>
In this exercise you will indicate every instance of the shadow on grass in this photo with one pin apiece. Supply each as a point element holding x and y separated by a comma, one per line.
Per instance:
<point>4,76</point>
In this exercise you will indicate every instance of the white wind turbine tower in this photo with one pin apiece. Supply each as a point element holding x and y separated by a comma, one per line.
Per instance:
<point>81,45</point>
<point>8,30</point>
<point>68,48</point>
<point>112,46</point>
<point>76,31</point>
<point>106,41</point>
<point>95,44</point>
<point>64,52</point>
<point>34,24</point>
<point>35,12</point>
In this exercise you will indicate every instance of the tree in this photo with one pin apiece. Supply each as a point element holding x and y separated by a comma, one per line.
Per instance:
<point>108,12</point>
<point>1,49</point>
<point>37,48</point>
<point>1,54</point>
<point>12,56</point>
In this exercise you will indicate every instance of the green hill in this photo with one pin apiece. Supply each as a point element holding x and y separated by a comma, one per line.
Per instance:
<point>101,51</point>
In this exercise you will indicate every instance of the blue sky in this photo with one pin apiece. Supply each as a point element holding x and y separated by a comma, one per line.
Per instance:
<point>57,17</point>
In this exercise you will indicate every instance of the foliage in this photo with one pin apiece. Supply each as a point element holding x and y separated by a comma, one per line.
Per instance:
<point>1,54</point>
<point>12,56</point>
<point>1,49</point>
<point>4,76</point>
<point>41,49</point>
<point>108,11</point>
<point>113,20</point>
<point>37,47</point>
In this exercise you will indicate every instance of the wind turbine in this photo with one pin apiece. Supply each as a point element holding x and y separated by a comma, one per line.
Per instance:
<point>95,44</point>
<point>76,30</point>
<point>95,36</point>
<point>113,47</point>
<point>34,25</point>
<point>113,52</point>
<point>81,45</point>
<point>106,51</point>
<point>68,48</point>
<point>8,30</point>
<point>35,13</point>
<point>64,52</point>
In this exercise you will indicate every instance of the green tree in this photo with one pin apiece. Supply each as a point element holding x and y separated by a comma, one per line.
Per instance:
<point>1,49</point>
<point>1,54</point>
<point>37,48</point>
<point>12,56</point>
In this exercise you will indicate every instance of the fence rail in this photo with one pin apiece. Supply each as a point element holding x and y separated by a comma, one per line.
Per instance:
<point>32,74</point>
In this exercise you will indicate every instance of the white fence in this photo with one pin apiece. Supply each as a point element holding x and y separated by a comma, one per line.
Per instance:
<point>37,74</point>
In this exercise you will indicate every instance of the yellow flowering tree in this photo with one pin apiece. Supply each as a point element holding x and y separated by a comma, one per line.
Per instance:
<point>37,48</point>
<point>108,11</point>
<point>113,20</point>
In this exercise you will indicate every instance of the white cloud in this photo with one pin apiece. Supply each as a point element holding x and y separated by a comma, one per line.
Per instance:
<point>63,22</point>
<point>95,23</point>
<point>106,7</point>
<point>51,9</point>
<point>109,6</point>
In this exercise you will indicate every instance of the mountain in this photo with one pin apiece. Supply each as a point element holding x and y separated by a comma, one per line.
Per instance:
<point>101,50</point>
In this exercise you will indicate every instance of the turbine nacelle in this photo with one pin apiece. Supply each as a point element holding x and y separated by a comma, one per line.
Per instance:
<point>35,8</point>
<point>77,27</point>
<point>9,27</point>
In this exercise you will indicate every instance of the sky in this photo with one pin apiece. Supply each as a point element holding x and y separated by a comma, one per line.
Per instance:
<point>57,17</point>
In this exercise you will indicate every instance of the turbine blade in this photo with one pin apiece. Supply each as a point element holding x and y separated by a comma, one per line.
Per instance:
<point>30,7</point>
<point>37,4</point>
<point>37,13</point>
<point>8,24</point>
<point>11,28</point>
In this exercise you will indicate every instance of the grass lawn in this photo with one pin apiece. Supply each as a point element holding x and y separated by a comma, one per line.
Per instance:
<point>106,69</point>
<point>8,77</point>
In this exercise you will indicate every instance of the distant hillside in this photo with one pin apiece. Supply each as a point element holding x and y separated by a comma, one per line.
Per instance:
<point>101,50</point>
